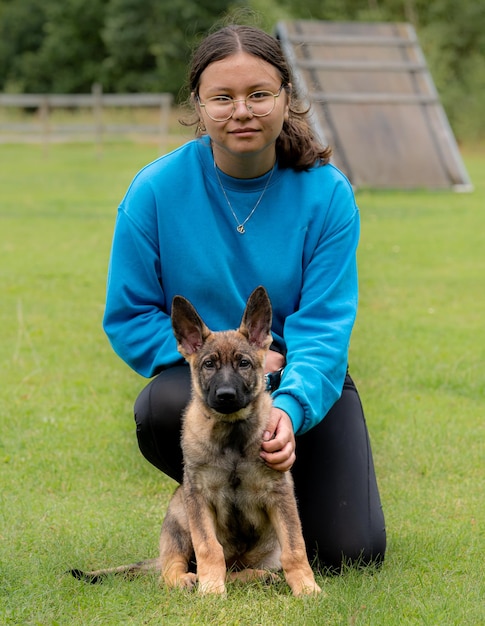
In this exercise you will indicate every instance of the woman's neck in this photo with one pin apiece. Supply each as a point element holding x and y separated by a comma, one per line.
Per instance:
<point>244,165</point>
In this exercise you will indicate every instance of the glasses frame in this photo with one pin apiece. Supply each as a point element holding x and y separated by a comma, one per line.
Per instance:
<point>245,100</point>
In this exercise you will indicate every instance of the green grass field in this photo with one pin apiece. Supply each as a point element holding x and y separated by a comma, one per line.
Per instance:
<point>75,491</point>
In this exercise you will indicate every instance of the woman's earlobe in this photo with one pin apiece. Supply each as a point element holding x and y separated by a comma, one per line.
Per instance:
<point>287,111</point>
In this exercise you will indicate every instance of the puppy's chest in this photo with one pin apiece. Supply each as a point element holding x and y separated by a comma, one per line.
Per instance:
<point>228,467</point>
<point>231,471</point>
<point>239,495</point>
<point>236,479</point>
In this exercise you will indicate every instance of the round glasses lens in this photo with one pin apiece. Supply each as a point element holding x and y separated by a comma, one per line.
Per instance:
<point>219,108</point>
<point>261,102</point>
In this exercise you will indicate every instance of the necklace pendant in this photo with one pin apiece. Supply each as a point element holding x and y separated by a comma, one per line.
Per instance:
<point>240,227</point>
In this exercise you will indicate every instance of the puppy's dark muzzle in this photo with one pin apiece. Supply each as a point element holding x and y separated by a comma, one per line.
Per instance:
<point>226,399</point>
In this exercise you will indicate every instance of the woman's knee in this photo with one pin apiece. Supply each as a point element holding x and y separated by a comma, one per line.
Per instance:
<point>162,402</point>
<point>158,415</point>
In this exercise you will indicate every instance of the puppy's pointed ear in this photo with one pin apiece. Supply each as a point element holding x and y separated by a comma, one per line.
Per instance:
<point>256,321</point>
<point>188,327</point>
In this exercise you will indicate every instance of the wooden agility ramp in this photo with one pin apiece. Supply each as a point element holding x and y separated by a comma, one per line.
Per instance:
<point>374,102</point>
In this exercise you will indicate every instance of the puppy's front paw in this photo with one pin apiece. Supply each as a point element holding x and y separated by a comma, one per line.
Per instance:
<point>302,584</point>
<point>306,589</point>
<point>212,586</point>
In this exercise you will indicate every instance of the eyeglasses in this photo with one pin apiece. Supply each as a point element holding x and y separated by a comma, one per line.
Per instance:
<point>258,103</point>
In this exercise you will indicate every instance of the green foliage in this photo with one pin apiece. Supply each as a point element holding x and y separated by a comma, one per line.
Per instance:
<point>453,39</point>
<point>149,44</point>
<point>57,46</point>
<point>64,47</point>
<point>76,492</point>
<point>128,33</point>
<point>21,36</point>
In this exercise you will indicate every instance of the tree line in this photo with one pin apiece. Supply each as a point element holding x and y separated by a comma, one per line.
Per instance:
<point>145,45</point>
<point>126,45</point>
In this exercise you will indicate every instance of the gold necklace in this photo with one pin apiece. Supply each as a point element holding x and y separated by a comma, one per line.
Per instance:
<point>240,225</point>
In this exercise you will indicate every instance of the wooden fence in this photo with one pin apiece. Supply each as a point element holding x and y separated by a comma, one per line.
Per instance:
<point>41,126</point>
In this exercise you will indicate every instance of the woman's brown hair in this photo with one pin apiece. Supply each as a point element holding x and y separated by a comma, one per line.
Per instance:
<point>297,146</point>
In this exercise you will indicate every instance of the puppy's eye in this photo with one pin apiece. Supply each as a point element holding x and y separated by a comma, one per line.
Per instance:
<point>208,364</point>
<point>244,364</point>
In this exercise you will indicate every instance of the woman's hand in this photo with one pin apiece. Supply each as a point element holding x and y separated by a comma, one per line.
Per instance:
<point>278,447</point>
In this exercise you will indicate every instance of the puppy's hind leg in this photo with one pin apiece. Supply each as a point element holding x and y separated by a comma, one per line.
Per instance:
<point>176,548</point>
<point>250,574</point>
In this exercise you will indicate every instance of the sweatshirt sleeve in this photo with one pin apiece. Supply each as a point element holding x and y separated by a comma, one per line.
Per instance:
<point>317,334</point>
<point>136,318</point>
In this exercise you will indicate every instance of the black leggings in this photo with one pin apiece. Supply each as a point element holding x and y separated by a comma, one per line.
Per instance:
<point>335,483</point>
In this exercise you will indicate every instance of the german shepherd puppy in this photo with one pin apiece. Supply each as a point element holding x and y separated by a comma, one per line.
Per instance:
<point>232,511</point>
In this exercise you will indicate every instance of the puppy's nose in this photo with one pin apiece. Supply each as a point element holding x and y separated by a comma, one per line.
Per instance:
<point>226,394</point>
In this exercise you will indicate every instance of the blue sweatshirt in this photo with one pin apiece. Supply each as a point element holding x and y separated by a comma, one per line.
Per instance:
<point>175,234</point>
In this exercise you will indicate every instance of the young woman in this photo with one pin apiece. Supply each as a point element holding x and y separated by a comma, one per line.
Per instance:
<point>253,200</point>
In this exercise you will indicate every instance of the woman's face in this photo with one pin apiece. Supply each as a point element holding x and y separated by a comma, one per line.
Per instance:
<point>244,141</point>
